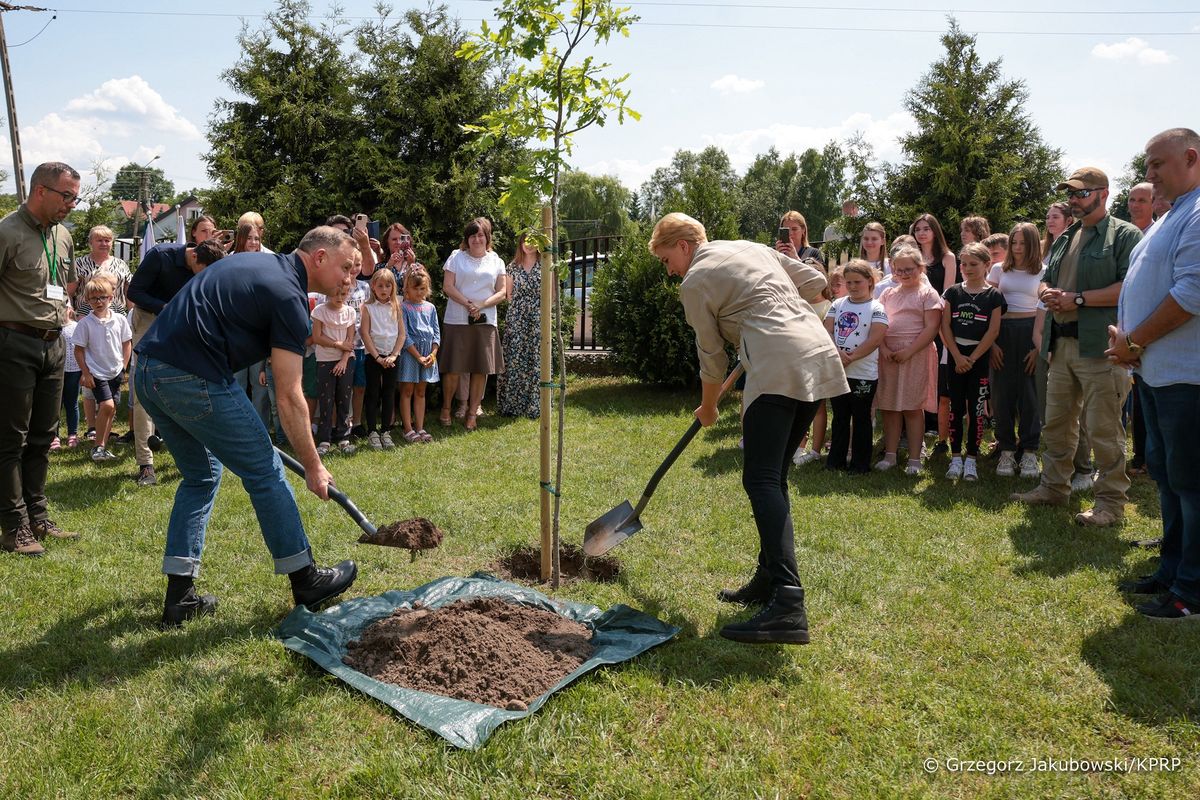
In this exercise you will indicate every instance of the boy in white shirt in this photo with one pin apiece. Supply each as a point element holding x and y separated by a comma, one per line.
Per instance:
<point>103,343</point>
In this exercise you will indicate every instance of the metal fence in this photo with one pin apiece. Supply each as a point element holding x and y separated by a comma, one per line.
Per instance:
<point>587,255</point>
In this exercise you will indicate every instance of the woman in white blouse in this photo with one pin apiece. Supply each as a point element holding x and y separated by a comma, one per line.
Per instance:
<point>474,284</point>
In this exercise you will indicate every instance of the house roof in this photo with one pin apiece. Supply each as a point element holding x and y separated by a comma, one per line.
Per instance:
<point>129,208</point>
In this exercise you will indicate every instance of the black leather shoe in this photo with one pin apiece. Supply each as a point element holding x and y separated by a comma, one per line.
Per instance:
<point>314,586</point>
<point>154,442</point>
<point>756,592</point>
<point>192,605</point>
<point>1146,584</point>
<point>782,622</point>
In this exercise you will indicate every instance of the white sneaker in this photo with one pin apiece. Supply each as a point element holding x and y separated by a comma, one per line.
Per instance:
<point>742,443</point>
<point>956,469</point>
<point>913,468</point>
<point>346,448</point>
<point>322,448</point>
<point>970,472</point>
<point>100,454</point>
<point>374,441</point>
<point>883,465</point>
<point>1008,464</point>
<point>803,457</point>
<point>386,440</point>
<point>1029,466</point>
<point>1081,482</point>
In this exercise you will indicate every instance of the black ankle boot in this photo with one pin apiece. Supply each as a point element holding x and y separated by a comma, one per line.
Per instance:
<point>182,602</point>
<point>783,621</point>
<point>756,592</point>
<point>313,585</point>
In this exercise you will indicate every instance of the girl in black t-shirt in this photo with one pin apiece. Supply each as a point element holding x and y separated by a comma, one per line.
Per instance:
<point>970,325</point>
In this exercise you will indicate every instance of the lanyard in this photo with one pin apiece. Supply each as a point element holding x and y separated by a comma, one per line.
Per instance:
<point>53,264</point>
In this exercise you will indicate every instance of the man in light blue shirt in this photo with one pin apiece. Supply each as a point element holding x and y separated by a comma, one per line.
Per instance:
<point>1158,333</point>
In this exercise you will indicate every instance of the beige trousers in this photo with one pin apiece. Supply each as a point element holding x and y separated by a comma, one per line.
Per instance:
<point>1094,389</point>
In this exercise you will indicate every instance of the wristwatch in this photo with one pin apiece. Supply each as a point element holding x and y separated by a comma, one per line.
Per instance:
<point>1135,350</point>
<point>1079,301</point>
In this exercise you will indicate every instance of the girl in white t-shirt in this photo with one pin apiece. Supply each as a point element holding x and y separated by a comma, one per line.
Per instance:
<point>873,248</point>
<point>382,331</point>
<point>333,336</point>
<point>857,323</point>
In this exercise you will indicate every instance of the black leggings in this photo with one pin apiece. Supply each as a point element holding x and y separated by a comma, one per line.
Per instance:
<point>773,427</point>
<point>968,401</point>
<point>381,384</point>
<point>852,417</point>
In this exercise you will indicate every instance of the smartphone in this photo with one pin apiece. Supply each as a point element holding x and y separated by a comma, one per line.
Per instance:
<point>225,237</point>
<point>373,229</point>
<point>785,235</point>
<point>360,221</point>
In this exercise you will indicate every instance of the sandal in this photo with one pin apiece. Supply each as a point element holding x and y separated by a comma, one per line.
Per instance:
<point>445,421</point>
<point>412,436</point>
<point>470,423</point>
<point>425,437</point>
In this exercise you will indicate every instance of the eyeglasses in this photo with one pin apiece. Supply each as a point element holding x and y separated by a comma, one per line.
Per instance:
<point>905,270</point>
<point>100,297</point>
<point>68,197</point>
<point>1082,194</point>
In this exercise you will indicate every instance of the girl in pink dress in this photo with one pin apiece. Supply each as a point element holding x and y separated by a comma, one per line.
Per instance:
<point>907,358</point>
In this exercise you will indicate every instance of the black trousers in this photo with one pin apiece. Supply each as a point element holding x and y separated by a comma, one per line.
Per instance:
<point>381,384</point>
<point>773,426</point>
<point>852,426</point>
<point>30,396</point>
<point>968,407</point>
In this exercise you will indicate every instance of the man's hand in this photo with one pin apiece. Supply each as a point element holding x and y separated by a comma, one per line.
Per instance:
<point>1118,351</point>
<point>88,381</point>
<point>706,414</point>
<point>318,479</point>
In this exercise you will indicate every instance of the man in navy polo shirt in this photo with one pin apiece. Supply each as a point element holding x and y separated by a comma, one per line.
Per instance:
<point>241,310</point>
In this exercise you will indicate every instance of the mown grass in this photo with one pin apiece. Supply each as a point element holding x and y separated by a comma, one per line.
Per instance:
<point>947,624</point>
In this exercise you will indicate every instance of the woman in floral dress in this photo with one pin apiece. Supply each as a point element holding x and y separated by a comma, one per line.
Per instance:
<point>518,387</point>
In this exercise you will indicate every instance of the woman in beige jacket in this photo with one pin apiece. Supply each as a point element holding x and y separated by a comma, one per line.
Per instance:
<point>757,299</point>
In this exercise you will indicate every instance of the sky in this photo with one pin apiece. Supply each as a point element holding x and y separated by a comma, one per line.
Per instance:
<point>104,83</point>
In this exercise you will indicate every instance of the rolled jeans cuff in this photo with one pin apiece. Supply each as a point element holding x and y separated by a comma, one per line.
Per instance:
<point>288,564</point>
<point>181,565</point>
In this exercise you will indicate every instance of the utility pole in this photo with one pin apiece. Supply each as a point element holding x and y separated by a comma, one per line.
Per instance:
<point>13,136</point>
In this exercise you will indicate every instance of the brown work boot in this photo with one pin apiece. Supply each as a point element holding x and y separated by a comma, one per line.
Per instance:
<point>22,542</point>
<point>1098,518</point>
<point>1040,496</point>
<point>46,527</point>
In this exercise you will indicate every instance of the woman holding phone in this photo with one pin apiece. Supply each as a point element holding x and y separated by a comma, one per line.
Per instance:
<point>754,298</point>
<point>474,284</point>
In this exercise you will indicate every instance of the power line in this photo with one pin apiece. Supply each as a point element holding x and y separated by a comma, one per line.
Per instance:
<point>36,35</point>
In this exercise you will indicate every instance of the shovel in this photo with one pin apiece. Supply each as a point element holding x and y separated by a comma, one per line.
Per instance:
<point>616,526</point>
<point>335,494</point>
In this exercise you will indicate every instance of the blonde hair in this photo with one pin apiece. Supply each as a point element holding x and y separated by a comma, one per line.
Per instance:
<point>677,227</point>
<point>877,227</point>
<point>385,276</point>
<point>99,281</point>
<point>1032,261</point>
<point>977,251</point>
<point>796,216</point>
<point>900,242</point>
<point>860,266</point>
<point>418,279</point>
<point>252,218</point>
<point>909,253</point>
<point>102,230</point>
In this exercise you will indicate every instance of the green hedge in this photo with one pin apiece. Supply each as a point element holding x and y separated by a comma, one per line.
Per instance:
<point>638,316</point>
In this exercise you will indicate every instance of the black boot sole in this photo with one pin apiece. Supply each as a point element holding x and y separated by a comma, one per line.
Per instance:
<point>766,637</point>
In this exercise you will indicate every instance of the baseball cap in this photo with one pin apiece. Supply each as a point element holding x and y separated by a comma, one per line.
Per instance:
<point>1085,178</point>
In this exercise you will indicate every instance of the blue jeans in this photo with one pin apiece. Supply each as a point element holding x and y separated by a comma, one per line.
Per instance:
<point>70,400</point>
<point>206,424</point>
<point>1172,441</point>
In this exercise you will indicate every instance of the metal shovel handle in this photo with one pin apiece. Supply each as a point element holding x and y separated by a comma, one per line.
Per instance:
<point>335,494</point>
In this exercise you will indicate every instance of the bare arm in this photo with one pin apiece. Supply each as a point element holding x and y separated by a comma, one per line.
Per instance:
<point>293,413</point>
<point>951,269</point>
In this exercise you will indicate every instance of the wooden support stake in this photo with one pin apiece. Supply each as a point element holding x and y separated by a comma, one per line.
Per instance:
<point>549,278</point>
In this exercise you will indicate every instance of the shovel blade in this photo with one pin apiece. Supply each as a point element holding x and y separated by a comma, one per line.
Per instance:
<point>608,531</point>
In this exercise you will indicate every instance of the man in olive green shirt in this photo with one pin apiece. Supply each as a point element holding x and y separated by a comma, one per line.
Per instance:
<point>1080,290</point>
<point>36,264</point>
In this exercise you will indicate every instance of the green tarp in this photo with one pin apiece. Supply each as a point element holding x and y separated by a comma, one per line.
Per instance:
<point>620,634</point>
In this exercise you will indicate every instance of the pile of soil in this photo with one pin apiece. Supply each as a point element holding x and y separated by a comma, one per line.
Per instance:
<point>485,650</point>
<point>525,564</point>
<point>412,534</point>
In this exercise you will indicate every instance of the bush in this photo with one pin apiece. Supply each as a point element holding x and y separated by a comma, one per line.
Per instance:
<point>638,316</point>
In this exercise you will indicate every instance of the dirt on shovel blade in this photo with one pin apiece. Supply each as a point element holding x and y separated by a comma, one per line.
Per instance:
<point>485,650</point>
<point>417,533</point>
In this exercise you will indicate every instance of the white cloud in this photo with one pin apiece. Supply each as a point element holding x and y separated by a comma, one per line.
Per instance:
<point>732,84</point>
<point>123,102</point>
<point>1132,49</point>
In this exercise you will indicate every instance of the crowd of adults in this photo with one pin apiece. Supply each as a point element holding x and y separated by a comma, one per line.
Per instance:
<point>233,349</point>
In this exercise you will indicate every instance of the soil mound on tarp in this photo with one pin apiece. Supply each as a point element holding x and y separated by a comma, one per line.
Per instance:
<point>525,564</point>
<point>417,533</point>
<point>485,650</point>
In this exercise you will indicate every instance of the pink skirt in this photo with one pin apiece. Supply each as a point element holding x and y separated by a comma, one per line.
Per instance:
<point>911,386</point>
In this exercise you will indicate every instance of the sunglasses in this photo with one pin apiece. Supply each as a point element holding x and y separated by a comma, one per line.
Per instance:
<point>1082,194</point>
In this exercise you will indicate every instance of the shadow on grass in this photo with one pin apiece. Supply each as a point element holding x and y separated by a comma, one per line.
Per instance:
<point>90,489</point>
<point>633,399</point>
<point>1054,545</point>
<point>1152,668</point>
<point>104,642</point>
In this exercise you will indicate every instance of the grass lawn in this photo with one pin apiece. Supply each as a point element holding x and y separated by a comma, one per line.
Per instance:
<point>946,624</point>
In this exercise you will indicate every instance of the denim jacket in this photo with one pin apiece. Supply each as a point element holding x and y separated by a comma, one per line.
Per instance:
<point>1102,262</point>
